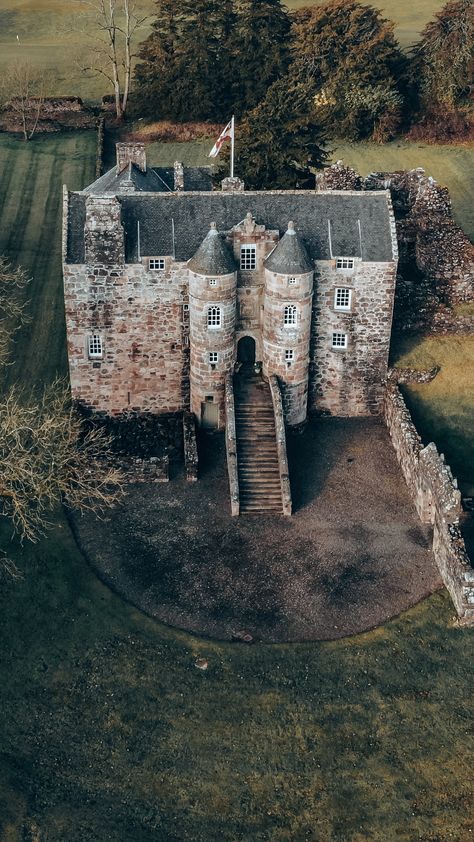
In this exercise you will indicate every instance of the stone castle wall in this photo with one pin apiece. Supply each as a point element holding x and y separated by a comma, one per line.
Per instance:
<point>350,381</point>
<point>437,499</point>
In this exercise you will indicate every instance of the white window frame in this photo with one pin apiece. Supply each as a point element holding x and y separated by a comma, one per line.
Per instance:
<point>156,264</point>
<point>212,282</point>
<point>342,294</point>
<point>289,356</point>
<point>339,341</point>
<point>290,316</point>
<point>213,357</point>
<point>248,257</point>
<point>292,282</point>
<point>95,347</point>
<point>214,317</point>
<point>345,264</point>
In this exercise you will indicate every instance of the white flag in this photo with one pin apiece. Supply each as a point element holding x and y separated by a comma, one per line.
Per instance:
<point>226,134</point>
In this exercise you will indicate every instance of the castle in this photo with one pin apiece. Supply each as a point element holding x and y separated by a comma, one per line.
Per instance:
<point>169,284</point>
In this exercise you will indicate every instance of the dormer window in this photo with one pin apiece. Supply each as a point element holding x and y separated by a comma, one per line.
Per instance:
<point>248,257</point>
<point>344,264</point>
<point>95,347</point>
<point>214,318</point>
<point>156,264</point>
<point>290,315</point>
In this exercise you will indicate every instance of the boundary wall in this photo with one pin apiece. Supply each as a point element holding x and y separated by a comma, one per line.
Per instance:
<point>437,499</point>
<point>281,443</point>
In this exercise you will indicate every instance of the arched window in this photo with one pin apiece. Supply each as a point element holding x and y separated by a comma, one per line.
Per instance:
<point>289,315</point>
<point>214,317</point>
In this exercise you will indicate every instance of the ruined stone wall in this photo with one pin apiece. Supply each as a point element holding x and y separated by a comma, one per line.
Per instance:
<point>437,499</point>
<point>350,381</point>
<point>140,319</point>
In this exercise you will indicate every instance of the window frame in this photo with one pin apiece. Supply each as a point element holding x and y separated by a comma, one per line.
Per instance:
<point>292,281</point>
<point>213,359</point>
<point>160,260</point>
<point>342,260</point>
<point>345,308</point>
<point>95,346</point>
<point>251,257</point>
<point>214,317</point>
<point>212,282</point>
<point>335,343</point>
<point>289,356</point>
<point>290,316</point>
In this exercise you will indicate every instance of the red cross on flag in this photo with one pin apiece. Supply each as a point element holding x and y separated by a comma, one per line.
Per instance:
<point>226,134</point>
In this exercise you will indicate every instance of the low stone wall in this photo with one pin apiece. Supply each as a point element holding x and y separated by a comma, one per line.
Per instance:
<point>99,156</point>
<point>231,446</point>
<point>190,446</point>
<point>437,499</point>
<point>153,469</point>
<point>412,375</point>
<point>281,444</point>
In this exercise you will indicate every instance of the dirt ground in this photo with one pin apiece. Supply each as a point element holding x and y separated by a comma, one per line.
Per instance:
<point>353,554</point>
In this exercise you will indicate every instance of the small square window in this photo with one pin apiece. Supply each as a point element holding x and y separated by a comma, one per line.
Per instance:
<point>342,298</point>
<point>185,308</point>
<point>156,264</point>
<point>213,357</point>
<point>95,347</point>
<point>292,282</point>
<point>248,257</point>
<point>339,340</point>
<point>289,356</point>
<point>212,282</point>
<point>344,264</point>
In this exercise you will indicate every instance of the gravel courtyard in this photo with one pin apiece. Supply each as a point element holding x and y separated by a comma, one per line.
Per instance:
<point>353,555</point>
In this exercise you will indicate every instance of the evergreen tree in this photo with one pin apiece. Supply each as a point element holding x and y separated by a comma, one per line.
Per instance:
<point>349,56</point>
<point>280,143</point>
<point>442,66</point>
<point>263,33</point>
<point>159,71</point>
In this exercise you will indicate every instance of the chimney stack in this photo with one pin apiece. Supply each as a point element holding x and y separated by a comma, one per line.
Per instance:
<point>131,153</point>
<point>178,176</point>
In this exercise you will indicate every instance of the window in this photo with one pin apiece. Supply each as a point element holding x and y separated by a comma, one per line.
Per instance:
<point>344,264</point>
<point>156,264</point>
<point>212,282</point>
<point>342,298</point>
<point>213,359</point>
<point>214,317</point>
<point>95,347</point>
<point>289,315</point>
<point>289,356</point>
<point>339,340</point>
<point>248,257</point>
<point>291,282</point>
<point>186,309</point>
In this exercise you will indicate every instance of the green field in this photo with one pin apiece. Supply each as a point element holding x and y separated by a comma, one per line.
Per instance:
<point>49,36</point>
<point>109,732</point>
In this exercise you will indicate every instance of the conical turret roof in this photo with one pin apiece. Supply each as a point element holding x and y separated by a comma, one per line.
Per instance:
<point>289,257</point>
<point>213,256</point>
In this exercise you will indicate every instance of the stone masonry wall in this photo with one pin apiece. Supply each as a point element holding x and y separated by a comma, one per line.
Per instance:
<point>350,381</point>
<point>437,500</point>
<point>139,316</point>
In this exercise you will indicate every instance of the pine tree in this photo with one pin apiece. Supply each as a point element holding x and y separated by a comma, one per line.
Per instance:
<point>280,143</point>
<point>263,32</point>
<point>158,72</point>
<point>349,55</point>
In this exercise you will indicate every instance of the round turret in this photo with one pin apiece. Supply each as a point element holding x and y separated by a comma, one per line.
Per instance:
<point>289,276</point>
<point>212,307</point>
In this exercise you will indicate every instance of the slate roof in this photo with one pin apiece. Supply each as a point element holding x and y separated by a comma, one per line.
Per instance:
<point>213,256</point>
<point>154,180</point>
<point>289,257</point>
<point>358,223</point>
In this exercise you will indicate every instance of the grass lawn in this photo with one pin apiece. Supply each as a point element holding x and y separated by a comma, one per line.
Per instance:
<point>109,732</point>
<point>48,40</point>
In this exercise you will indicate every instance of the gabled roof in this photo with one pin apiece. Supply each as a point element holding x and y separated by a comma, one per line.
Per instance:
<point>289,257</point>
<point>155,180</point>
<point>213,256</point>
<point>331,224</point>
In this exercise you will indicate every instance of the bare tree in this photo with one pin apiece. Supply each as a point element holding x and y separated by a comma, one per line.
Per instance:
<point>47,456</point>
<point>13,304</point>
<point>25,88</point>
<point>112,27</point>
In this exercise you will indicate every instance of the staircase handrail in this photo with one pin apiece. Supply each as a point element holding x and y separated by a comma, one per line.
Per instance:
<point>281,444</point>
<point>231,446</point>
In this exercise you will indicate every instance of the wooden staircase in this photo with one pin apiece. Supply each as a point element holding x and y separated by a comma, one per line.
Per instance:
<point>257,456</point>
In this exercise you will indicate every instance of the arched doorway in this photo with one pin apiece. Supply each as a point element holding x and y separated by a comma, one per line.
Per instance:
<point>246,350</point>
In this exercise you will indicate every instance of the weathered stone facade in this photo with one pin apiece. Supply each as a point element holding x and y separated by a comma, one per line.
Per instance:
<point>158,313</point>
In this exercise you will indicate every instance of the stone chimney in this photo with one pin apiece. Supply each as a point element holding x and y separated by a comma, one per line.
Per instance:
<point>232,185</point>
<point>178,176</point>
<point>131,153</point>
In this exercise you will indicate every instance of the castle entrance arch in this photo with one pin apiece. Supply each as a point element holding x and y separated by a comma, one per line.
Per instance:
<point>246,349</point>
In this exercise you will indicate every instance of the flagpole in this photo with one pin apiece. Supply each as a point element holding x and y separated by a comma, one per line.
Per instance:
<point>232,149</point>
